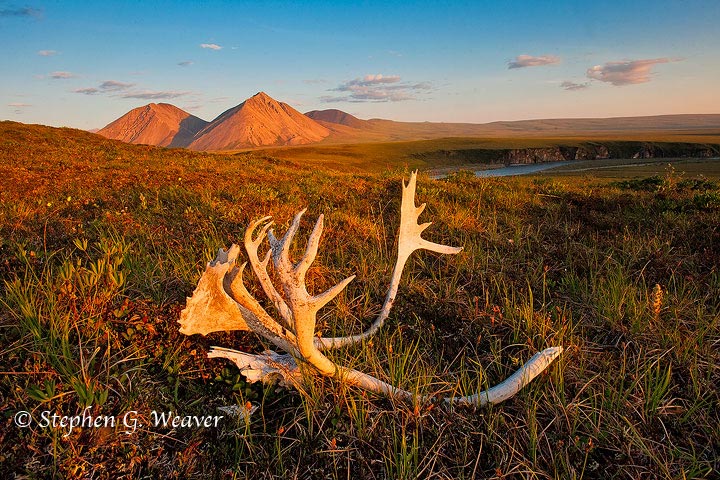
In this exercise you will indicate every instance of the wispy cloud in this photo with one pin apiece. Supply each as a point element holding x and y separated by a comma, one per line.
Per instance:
<point>314,81</point>
<point>522,61</point>
<point>154,95</point>
<point>572,86</point>
<point>118,89</point>
<point>21,12</point>
<point>87,91</point>
<point>47,53</point>
<point>19,105</point>
<point>377,88</point>
<point>377,79</point>
<point>628,72</point>
<point>108,87</point>
<point>186,63</point>
<point>114,86</point>
<point>211,46</point>
<point>62,75</point>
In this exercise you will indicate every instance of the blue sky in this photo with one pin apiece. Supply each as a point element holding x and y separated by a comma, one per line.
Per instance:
<point>83,64</point>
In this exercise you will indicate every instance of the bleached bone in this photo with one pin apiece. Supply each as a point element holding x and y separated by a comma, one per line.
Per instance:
<point>221,302</point>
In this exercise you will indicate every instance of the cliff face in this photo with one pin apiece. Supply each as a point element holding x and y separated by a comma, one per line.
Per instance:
<point>554,154</point>
<point>589,151</point>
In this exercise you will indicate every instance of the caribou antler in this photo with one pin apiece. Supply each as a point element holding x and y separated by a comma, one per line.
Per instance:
<point>221,303</point>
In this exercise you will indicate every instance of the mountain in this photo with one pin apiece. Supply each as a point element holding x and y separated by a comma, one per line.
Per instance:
<point>337,116</point>
<point>159,124</point>
<point>259,121</point>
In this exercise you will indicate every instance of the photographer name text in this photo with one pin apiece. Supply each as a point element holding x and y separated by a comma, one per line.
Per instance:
<point>128,423</point>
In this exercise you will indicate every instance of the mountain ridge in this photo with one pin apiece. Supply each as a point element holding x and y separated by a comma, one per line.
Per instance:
<point>261,121</point>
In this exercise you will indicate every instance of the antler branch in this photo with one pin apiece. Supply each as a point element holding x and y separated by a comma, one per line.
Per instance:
<point>222,302</point>
<point>409,240</point>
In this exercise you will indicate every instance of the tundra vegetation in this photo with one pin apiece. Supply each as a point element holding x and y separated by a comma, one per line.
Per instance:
<point>101,243</point>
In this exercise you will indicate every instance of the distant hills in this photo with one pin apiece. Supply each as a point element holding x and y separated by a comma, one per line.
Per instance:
<point>262,121</point>
<point>258,121</point>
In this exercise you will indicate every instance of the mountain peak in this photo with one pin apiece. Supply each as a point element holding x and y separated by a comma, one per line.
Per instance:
<point>155,124</point>
<point>259,120</point>
<point>261,97</point>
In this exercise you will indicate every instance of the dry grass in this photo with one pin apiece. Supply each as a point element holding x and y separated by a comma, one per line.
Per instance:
<point>101,242</point>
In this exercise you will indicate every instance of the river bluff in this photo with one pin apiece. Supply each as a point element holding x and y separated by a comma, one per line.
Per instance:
<point>587,151</point>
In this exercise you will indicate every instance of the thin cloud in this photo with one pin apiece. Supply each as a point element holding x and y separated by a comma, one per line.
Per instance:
<point>522,61</point>
<point>369,80</point>
<point>87,91</point>
<point>154,95</point>
<point>107,87</point>
<point>629,72</point>
<point>62,75</point>
<point>377,88</point>
<point>114,85</point>
<point>19,105</point>
<point>314,81</point>
<point>211,46</point>
<point>572,86</point>
<point>21,12</point>
<point>47,53</point>
<point>186,63</point>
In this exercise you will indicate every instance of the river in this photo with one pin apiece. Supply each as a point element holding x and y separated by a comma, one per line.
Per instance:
<point>510,170</point>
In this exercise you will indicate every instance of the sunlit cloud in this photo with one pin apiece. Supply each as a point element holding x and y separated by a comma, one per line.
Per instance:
<point>211,46</point>
<point>47,53</point>
<point>629,72</point>
<point>62,75</point>
<point>522,61</point>
<point>186,63</point>
<point>377,88</point>
<point>19,105</point>
<point>377,79</point>
<point>572,86</point>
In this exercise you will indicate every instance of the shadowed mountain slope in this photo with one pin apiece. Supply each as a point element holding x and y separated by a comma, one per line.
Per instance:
<point>159,124</point>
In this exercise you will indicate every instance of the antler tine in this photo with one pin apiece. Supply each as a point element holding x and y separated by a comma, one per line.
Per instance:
<point>260,269</point>
<point>409,238</point>
<point>281,248</point>
<point>322,299</point>
<point>251,229</point>
<point>303,265</point>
